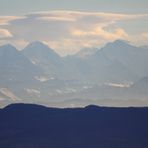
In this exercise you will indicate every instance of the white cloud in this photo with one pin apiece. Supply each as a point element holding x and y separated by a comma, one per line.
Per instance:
<point>67,31</point>
<point>5,20</point>
<point>145,35</point>
<point>98,31</point>
<point>139,39</point>
<point>5,34</point>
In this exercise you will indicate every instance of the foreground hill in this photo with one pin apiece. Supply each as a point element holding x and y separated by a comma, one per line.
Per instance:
<point>24,125</point>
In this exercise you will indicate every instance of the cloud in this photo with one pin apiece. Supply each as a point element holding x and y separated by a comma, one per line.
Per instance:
<point>86,15</point>
<point>139,39</point>
<point>5,34</point>
<point>145,35</point>
<point>4,20</point>
<point>98,31</point>
<point>67,31</point>
<point>57,19</point>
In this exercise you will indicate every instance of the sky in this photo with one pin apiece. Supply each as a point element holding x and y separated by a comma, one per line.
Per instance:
<point>69,25</point>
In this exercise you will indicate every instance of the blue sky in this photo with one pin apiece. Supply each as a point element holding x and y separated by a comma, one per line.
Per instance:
<point>69,25</point>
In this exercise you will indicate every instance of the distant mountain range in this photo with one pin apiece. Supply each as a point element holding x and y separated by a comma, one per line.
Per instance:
<point>27,126</point>
<point>114,74</point>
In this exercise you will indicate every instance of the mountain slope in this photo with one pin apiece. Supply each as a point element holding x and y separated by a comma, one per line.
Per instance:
<point>44,57</point>
<point>140,89</point>
<point>134,58</point>
<point>15,66</point>
<point>17,73</point>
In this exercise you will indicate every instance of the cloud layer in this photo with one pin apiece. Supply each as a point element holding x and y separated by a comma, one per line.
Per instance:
<point>68,31</point>
<point>5,34</point>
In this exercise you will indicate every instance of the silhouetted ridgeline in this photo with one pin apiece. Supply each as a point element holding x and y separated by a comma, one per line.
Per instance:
<point>34,126</point>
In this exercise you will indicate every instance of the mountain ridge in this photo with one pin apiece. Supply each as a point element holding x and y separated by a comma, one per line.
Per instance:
<point>39,74</point>
<point>24,125</point>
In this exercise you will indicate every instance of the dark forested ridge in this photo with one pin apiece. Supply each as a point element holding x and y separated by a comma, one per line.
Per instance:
<point>34,126</point>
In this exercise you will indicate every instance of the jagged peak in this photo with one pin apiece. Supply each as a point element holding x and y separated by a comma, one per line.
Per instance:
<point>118,43</point>
<point>37,44</point>
<point>8,46</point>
